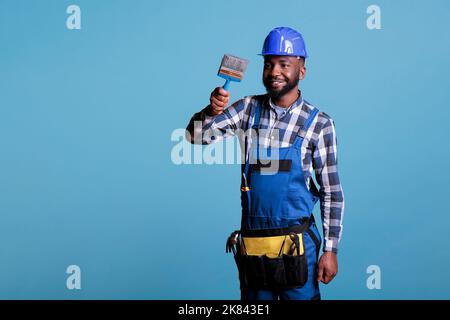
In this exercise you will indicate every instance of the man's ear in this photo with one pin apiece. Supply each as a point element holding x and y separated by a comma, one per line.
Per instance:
<point>302,72</point>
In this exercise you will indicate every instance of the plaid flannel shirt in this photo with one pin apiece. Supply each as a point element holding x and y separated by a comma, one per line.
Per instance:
<point>318,150</point>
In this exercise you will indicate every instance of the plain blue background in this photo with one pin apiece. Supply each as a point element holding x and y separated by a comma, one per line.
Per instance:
<point>86,118</point>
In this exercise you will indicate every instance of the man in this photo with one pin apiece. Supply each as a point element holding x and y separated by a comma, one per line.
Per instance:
<point>277,251</point>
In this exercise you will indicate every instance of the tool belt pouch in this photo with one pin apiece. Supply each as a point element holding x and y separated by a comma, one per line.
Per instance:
<point>286,271</point>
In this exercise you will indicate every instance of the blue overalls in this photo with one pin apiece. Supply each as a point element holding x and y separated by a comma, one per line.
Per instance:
<point>281,200</point>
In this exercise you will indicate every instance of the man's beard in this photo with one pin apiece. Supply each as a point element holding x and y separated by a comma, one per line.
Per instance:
<point>276,94</point>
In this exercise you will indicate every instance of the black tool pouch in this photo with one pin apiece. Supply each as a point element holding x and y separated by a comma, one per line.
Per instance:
<point>274,273</point>
<point>296,268</point>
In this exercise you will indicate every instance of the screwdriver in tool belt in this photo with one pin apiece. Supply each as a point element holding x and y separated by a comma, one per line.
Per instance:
<point>245,187</point>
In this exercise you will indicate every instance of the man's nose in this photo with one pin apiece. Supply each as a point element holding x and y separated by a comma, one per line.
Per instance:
<point>275,71</point>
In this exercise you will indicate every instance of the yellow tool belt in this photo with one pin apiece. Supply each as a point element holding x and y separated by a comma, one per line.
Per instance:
<point>270,258</point>
<point>271,246</point>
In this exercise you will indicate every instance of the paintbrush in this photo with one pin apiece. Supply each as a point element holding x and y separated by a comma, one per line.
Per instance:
<point>232,68</point>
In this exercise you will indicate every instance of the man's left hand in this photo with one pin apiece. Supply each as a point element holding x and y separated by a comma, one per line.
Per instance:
<point>328,267</point>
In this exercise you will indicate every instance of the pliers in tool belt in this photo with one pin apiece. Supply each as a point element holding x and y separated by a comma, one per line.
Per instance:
<point>232,242</point>
<point>295,243</point>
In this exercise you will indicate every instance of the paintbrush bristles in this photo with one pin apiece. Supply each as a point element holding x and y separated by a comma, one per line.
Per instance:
<point>233,62</point>
<point>233,66</point>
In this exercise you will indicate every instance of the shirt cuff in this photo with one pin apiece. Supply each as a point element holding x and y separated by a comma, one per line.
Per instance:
<point>330,245</point>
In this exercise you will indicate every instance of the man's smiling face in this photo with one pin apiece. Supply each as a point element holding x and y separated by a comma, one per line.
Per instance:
<point>281,74</point>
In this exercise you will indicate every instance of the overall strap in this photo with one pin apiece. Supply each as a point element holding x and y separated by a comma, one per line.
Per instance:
<point>305,127</point>
<point>257,117</point>
<point>255,126</point>
<point>310,119</point>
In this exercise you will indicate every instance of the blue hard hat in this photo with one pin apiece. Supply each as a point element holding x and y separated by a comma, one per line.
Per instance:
<point>284,41</point>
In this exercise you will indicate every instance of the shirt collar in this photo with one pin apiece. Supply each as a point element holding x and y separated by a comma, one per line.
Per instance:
<point>296,104</point>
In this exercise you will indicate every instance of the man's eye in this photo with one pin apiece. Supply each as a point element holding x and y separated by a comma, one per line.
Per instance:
<point>284,65</point>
